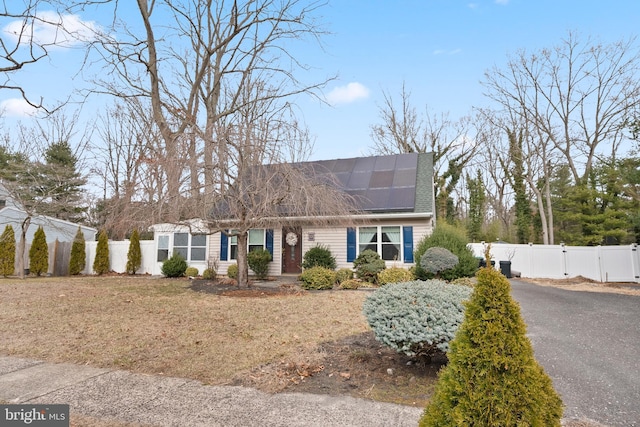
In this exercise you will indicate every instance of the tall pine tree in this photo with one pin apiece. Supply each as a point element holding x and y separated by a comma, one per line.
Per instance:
<point>59,184</point>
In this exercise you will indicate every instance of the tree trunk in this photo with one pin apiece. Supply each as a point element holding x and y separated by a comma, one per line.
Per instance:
<point>543,216</point>
<point>547,193</point>
<point>243,266</point>
<point>22,245</point>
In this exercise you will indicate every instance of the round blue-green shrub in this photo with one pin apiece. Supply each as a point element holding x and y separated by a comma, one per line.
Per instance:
<point>436,260</point>
<point>417,318</point>
<point>453,239</point>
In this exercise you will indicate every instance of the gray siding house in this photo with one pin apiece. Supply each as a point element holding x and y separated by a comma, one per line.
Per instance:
<point>396,210</point>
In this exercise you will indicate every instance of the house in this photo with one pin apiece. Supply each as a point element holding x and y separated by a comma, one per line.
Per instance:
<point>396,209</point>
<point>12,214</point>
<point>55,229</point>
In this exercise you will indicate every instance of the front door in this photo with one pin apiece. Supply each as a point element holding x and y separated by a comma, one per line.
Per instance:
<point>291,250</point>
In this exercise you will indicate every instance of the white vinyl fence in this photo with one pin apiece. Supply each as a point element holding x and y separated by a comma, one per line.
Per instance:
<point>600,263</point>
<point>118,251</point>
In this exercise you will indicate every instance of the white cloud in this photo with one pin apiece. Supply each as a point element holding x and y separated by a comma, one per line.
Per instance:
<point>16,107</point>
<point>52,30</point>
<point>347,94</point>
<point>505,2</point>
<point>473,5</point>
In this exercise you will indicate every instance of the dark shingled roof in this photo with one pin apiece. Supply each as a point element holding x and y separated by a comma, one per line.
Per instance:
<point>392,183</point>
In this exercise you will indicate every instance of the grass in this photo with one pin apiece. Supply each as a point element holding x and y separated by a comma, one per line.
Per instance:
<point>160,326</point>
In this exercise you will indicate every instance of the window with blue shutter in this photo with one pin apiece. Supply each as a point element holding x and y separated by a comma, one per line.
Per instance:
<point>407,243</point>
<point>351,244</point>
<point>269,241</point>
<point>224,247</point>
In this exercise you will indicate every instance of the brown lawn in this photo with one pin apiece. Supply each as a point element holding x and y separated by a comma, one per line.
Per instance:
<point>315,342</point>
<point>160,326</point>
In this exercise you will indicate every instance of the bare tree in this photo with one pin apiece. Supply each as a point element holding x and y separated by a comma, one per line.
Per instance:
<point>194,67</point>
<point>31,29</point>
<point>577,96</point>
<point>260,185</point>
<point>404,130</point>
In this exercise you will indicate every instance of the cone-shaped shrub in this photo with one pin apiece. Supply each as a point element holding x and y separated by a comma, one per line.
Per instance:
<point>492,378</point>
<point>134,256</point>
<point>101,262</point>
<point>7,251</point>
<point>77,261</point>
<point>39,253</point>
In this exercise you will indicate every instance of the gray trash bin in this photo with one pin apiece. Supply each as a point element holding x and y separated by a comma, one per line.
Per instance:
<point>505,268</point>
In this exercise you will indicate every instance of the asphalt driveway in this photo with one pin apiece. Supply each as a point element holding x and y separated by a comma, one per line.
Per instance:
<point>589,343</point>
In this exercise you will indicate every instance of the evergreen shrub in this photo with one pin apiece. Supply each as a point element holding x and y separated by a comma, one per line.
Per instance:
<point>209,274</point>
<point>319,256</point>
<point>134,255</point>
<point>191,272</point>
<point>492,352</point>
<point>394,275</point>
<point>318,278</point>
<point>437,260</point>
<point>367,265</point>
<point>258,261</point>
<point>453,239</point>
<point>344,274</point>
<point>416,318</point>
<point>39,253</point>
<point>350,284</point>
<point>232,271</point>
<point>174,266</point>
<point>7,251</point>
<point>78,259</point>
<point>464,281</point>
<point>101,262</point>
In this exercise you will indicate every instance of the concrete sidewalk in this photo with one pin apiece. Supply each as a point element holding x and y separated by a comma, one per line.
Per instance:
<point>161,401</point>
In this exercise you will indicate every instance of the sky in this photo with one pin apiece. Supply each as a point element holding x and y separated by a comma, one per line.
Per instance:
<point>439,50</point>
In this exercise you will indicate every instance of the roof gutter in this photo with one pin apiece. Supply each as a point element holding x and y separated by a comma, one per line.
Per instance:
<point>343,218</point>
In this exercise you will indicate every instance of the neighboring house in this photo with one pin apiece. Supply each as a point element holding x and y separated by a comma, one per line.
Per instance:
<point>396,209</point>
<point>55,229</point>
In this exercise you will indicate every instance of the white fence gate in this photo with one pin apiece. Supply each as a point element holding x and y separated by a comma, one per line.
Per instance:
<point>600,263</point>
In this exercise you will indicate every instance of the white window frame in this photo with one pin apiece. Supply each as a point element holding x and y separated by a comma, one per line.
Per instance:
<point>166,239</point>
<point>379,244</point>
<point>169,239</point>
<point>233,242</point>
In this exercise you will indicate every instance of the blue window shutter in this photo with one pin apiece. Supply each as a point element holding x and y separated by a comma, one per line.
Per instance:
<point>351,244</point>
<point>224,247</point>
<point>407,241</point>
<point>269,241</point>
